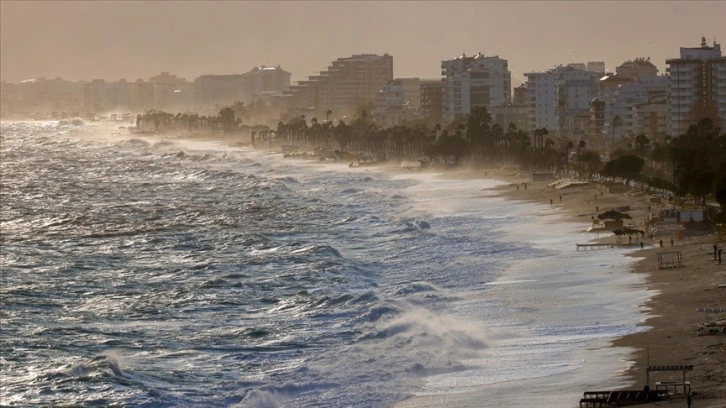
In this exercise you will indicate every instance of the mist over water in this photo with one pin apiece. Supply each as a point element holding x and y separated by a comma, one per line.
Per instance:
<point>152,272</point>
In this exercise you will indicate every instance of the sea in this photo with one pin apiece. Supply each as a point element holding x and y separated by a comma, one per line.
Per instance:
<point>163,272</point>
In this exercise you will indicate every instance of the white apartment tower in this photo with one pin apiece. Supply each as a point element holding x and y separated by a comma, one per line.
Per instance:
<point>470,82</point>
<point>697,87</point>
<point>542,93</point>
<point>558,96</point>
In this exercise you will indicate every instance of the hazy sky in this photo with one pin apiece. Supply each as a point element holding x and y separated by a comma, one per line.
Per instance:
<point>132,40</point>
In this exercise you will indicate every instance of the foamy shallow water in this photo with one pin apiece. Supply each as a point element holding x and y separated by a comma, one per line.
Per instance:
<point>153,272</point>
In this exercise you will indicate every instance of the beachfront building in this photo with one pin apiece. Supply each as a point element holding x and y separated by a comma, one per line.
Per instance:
<point>697,85</point>
<point>432,101</point>
<point>558,97</point>
<point>542,92</point>
<point>398,101</point>
<point>33,96</point>
<point>471,82</point>
<point>213,91</point>
<point>639,67</point>
<point>594,67</point>
<point>513,113</point>
<point>170,92</point>
<point>635,107</point>
<point>348,84</point>
<point>575,89</point>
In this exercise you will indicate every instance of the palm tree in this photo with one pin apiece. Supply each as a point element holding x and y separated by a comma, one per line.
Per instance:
<point>539,135</point>
<point>580,146</point>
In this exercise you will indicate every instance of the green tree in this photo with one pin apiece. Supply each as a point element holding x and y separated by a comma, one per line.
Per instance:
<point>226,117</point>
<point>592,162</point>
<point>627,167</point>
<point>642,143</point>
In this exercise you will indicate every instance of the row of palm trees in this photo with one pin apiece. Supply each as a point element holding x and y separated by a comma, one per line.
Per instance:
<point>689,167</point>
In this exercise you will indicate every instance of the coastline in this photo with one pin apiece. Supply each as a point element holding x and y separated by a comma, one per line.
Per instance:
<point>670,316</point>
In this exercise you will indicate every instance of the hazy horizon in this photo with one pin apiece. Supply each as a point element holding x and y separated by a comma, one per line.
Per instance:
<point>137,40</point>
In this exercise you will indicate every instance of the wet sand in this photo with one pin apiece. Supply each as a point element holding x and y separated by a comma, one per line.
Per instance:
<point>673,320</point>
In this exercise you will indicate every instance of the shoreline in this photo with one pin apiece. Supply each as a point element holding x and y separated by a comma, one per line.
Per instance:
<point>670,317</point>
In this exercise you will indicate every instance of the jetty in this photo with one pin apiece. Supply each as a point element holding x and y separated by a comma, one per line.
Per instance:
<point>585,247</point>
<point>620,398</point>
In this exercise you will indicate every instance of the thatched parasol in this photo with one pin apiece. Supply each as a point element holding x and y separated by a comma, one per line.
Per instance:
<point>613,215</point>
<point>628,231</point>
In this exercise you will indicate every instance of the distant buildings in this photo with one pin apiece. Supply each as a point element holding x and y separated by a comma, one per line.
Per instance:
<point>640,67</point>
<point>470,82</point>
<point>573,101</point>
<point>432,101</point>
<point>217,90</point>
<point>224,90</point>
<point>399,101</point>
<point>558,97</point>
<point>346,85</point>
<point>697,87</point>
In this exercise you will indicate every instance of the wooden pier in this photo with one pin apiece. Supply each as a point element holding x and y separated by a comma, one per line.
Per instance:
<point>620,398</point>
<point>585,247</point>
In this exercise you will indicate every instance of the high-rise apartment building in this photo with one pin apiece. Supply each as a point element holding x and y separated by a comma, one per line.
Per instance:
<point>558,96</point>
<point>432,101</point>
<point>345,86</point>
<point>640,67</point>
<point>261,81</point>
<point>224,90</point>
<point>399,101</point>
<point>697,87</point>
<point>478,81</point>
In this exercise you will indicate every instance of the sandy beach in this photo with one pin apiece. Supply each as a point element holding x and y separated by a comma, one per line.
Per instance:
<point>673,321</point>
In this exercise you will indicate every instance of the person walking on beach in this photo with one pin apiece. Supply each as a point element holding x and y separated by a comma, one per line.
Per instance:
<point>642,245</point>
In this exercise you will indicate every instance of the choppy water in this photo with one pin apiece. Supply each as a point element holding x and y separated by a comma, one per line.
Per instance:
<point>148,272</point>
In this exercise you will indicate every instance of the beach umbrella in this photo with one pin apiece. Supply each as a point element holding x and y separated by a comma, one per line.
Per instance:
<point>613,215</point>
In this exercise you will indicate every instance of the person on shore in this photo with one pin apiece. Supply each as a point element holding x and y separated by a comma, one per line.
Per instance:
<point>671,241</point>
<point>661,243</point>
<point>642,245</point>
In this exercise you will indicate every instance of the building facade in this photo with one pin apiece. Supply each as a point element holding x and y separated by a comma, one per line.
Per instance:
<point>399,101</point>
<point>471,82</point>
<point>346,85</point>
<point>559,96</point>
<point>697,87</point>
<point>262,81</point>
<point>432,101</point>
